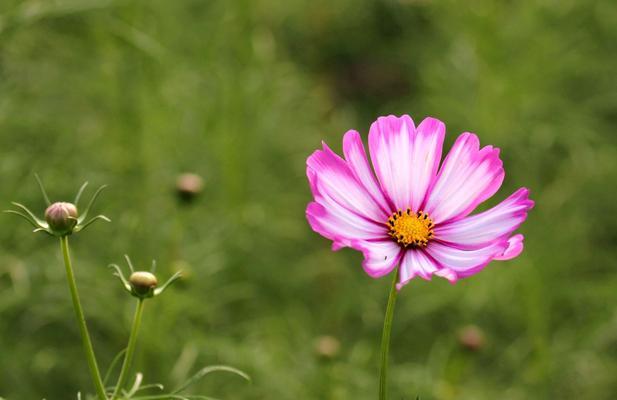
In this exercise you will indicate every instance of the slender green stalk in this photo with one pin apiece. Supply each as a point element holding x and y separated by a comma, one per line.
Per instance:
<point>385,339</point>
<point>130,349</point>
<point>81,320</point>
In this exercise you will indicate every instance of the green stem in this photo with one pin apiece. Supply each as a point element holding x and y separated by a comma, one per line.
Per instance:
<point>130,348</point>
<point>81,320</point>
<point>385,339</point>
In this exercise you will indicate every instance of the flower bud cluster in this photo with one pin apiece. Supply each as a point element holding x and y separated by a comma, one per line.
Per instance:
<point>63,219</point>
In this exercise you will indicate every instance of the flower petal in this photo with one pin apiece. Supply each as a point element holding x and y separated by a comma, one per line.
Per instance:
<point>415,263</point>
<point>329,175</point>
<point>340,225</point>
<point>515,247</point>
<point>425,158</point>
<point>355,155</point>
<point>390,144</point>
<point>481,229</point>
<point>448,274</point>
<point>468,176</point>
<point>380,257</point>
<point>465,262</point>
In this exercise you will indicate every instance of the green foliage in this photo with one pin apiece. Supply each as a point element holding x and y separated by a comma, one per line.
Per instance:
<point>206,371</point>
<point>151,391</point>
<point>131,93</point>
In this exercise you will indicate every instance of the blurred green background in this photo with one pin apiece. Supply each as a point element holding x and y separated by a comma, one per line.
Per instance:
<point>132,93</point>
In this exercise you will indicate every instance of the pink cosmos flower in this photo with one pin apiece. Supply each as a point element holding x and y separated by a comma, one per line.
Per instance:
<point>411,211</point>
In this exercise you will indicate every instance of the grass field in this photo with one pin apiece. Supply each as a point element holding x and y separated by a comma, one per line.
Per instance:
<point>132,93</point>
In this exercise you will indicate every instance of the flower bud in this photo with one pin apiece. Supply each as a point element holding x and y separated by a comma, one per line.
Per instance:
<point>188,186</point>
<point>472,338</point>
<point>143,283</point>
<point>327,346</point>
<point>61,217</point>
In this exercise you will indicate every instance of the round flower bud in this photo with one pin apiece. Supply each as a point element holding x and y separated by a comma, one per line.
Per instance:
<point>61,217</point>
<point>143,283</point>
<point>188,186</point>
<point>327,346</point>
<point>472,338</point>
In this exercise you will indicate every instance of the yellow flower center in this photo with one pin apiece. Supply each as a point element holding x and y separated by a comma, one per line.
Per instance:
<point>410,229</point>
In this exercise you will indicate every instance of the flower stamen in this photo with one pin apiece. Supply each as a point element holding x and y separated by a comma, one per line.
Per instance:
<point>410,228</point>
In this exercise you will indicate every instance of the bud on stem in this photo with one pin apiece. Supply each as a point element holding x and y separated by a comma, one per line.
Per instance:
<point>143,283</point>
<point>188,187</point>
<point>61,217</point>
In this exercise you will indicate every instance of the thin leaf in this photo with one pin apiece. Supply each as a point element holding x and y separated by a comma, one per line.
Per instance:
<point>24,216</point>
<point>113,364</point>
<point>79,193</point>
<point>30,213</point>
<point>207,370</point>
<point>139,377</point>
<point>42,189</point>
<point>43,230</point>
<point>84,226</point>
<point>118,272</point>
<point>128,261</point>
<point>171,280</point>
<point>92,200</point>
<point>151,386</point>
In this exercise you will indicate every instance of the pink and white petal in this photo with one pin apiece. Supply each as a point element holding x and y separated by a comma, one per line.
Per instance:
<point>415,263</point>
<point>329,175</point>
<point>425,157</point>
<point>380,257</point>
<point>481,229</point>
<point>515,248</point>
<point>448,274</point>
<point>390,144</point>
<point>355,155</point>
<point>468,176</point>
<point>464,263</point>
<point>340,225</point>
